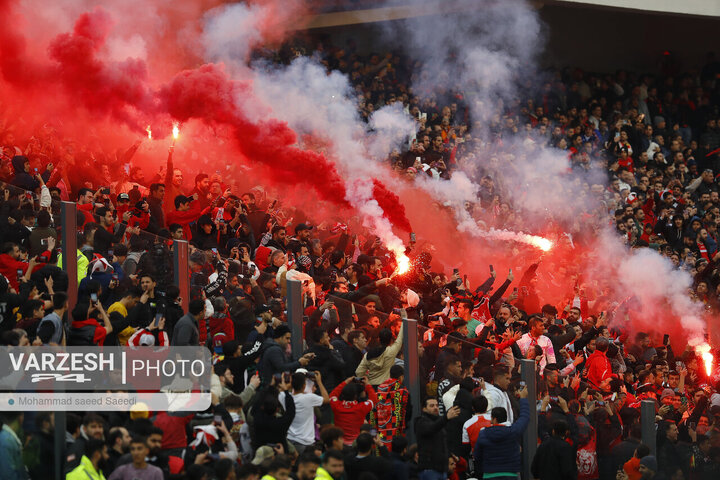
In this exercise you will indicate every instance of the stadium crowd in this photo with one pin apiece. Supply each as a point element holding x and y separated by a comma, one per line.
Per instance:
<point>341,410</point>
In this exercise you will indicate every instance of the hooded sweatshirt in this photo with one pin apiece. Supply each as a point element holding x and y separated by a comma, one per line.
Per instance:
<point>378,368</point>
<point>22,179</point>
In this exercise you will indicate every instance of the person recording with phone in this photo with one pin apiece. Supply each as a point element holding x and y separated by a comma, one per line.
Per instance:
<point>271,418</point>
<point>351,401</point>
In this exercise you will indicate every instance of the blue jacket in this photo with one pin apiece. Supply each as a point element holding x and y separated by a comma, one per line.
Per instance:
<point>11,462</point>
<point>498,447</point>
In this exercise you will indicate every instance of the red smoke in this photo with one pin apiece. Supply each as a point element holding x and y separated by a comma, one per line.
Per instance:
<point>122,91</point>
<point>118,89</point>
<point>393,210</point>
<point>207,94</point>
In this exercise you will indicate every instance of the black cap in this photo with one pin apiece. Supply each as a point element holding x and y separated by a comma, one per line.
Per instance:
<point>281,331</point>
<point>302,226</point>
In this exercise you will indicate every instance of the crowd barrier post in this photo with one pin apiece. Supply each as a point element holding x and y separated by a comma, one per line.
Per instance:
<point>295,317</point>
<point>182,271</point>
<point>529,447</point>
<point>412,372</point>
<point>647,422</point>
<point>68,217</point>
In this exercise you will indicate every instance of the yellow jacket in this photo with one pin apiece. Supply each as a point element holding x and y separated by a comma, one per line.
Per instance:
<point>82,265</point>
<point>85,471</point>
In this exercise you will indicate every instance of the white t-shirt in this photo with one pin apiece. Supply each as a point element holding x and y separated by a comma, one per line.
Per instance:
<point>302,429</point>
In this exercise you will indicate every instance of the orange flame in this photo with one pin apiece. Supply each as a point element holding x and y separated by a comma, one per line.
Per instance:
<point>542,243</point>
<point>707,357</point>
<point>403,263</point>
<point>176,130</point>
<point>147,129</point>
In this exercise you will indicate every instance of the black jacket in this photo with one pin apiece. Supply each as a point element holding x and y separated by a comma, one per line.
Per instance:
<point>381,467</point>
<point>329,363</point>
<point>431,442</point>
<point>271,428</point>
<point>274,361</point>
<point>555,460</point>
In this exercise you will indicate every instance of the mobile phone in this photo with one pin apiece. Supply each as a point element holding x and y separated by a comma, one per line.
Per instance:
<point>214,456</point>
<point>515,290</point>
<point>692,425</point>
<point>110,253</point>
<point>666,338</point>
<point>412,237</point>
<point>553,398</point>
<point>43,242</point>
<point>214,250</point>
<point>310,374</point>
<point>522,384</point>
<point>217,419</point>
<point>397,311</point>
<point>115,277</point>
<point>158,316</point>
<point>600,403</point>
<point>93,297</point>
<point>456,271</point>
<point>373,432</point>
<point>36,170</point>
<point>286,377</point>
<point>358,379</point>
<point>20,273</point>
<point>105,191</point>
<point>458,282</point>
<point>614,397</point>
<point>278,378</point>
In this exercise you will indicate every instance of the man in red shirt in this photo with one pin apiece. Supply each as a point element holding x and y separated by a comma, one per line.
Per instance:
<point>598,368</point>
<point>479,420</point>
<point>349,410</point>
<point>186,212</point>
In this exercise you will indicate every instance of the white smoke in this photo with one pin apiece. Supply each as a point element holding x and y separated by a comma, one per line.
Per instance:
<point>318,104</point>
<point>231,31</point>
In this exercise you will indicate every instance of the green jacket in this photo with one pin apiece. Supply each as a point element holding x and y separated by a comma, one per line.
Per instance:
<point>82,265</point>
<point>85,471</point>
<point>323,474</point>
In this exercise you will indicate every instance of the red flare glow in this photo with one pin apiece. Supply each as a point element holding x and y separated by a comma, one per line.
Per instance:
<point>707,357</point>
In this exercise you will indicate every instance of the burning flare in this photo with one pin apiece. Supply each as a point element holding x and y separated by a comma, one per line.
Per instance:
<point>147,129</point>
<point>403,263</point>
<point>536,241</point>
<point>707,357</point>
<point>176,130</point>
<point>542,243</point>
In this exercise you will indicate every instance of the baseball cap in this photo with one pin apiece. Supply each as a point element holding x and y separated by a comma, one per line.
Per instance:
<point>302,226</point>
<point>123,197</point>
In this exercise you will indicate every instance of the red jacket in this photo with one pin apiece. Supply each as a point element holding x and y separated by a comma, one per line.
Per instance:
<point>173,427</point>
<point>87,210</point>
<point>9,267</point>
<point>349,414</point>
<point>598,368</point>
<point>221,323</point>
<point>185,218</point>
